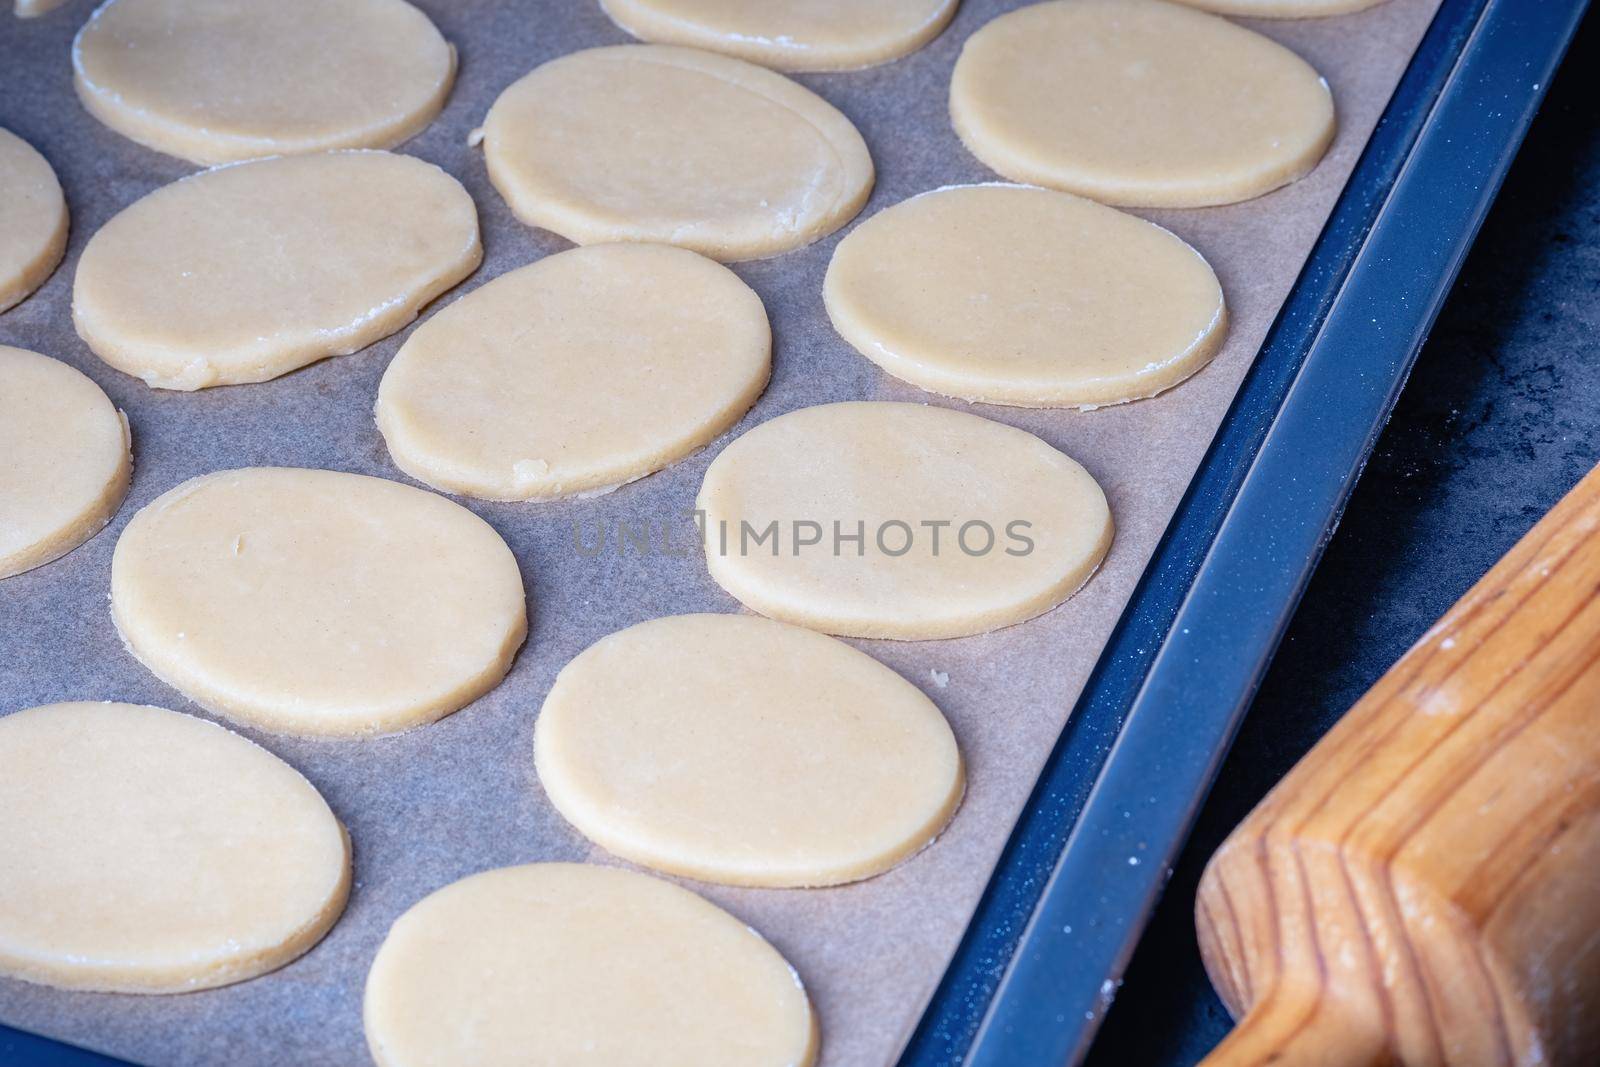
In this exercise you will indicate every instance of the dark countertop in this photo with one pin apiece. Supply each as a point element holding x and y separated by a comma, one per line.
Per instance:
<point>1500,418</point>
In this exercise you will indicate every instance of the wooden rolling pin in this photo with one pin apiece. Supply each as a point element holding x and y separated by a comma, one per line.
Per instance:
<point>1424,887</point>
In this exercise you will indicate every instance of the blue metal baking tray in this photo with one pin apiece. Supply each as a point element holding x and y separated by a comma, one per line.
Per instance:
<point>1045,950</point>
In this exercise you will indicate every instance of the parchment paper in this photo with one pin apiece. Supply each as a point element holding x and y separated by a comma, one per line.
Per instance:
<point>460,796</point>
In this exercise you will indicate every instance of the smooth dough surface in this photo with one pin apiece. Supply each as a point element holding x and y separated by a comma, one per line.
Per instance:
<point>314,602</point>
<point>1010,294</point>
<point>152,852</point>
<point>742,750</point>
<point>246,272</point>
<point>1023,526</point>
<point>553,964</point>
<point>573,375</point>
<point>793,35</point>
<point>1138,103</point>
<point>1283,9</point>
<point>216,81</point>
<point>721,156</point>
<point>33,219</point>
<point>65,459</point>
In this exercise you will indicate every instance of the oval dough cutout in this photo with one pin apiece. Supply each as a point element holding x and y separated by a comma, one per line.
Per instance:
<point>872,519</point>
<point>65,459</point>
<point>576,374</point>
<point>746,751</point>
<point>33,219</point>
<point>721,156</point>
<point>217,81</point>
<point>244,273</point>
<point>589,965</point>
<point>152,852</point>
<point>1138,103</point>
<point>1283,9</point>
<point>1009,294</point>
<point>785,35</point>
<point>313,602</point>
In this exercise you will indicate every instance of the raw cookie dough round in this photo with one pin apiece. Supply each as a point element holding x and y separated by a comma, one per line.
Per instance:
<point>33,219</point>
<point>789,35</point>
<point>1138,102</point>
<point>746,751</point>
<point>313,602</point>
<point>65,459</point>
<point>152,852</point>
<point>1283,9</point>
<point>576,374</point>
<point>1010,294</point>
<point>721,156</point>
<point>216,81</point>
<point>581,964</point>
<point>873,519</point>
<point>247,272</point>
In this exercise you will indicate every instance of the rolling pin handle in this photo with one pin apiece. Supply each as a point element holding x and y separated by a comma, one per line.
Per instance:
<point>1302,1031</point>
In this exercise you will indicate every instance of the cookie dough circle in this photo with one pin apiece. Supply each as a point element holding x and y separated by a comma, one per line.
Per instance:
<point>576,374</point>
<point>746,751</point>
<point>589,965</point>
<point>872,519</point>
<point>1010,294</point>
<point>1138,103</point>
<point>217,81</point>
<point>247,272</point>
<point>67,459</point>
<point>152,852</point>
<point>314,602</point>
<point>811,35</point>
<point>1282,9</point>
<point>721,156</point>
<point>33,219</point>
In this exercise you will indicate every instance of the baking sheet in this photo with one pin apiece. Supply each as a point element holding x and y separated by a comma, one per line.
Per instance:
<point>460,796</point>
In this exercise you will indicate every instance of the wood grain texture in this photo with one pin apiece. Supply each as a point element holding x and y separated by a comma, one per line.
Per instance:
<point>1424,887</point>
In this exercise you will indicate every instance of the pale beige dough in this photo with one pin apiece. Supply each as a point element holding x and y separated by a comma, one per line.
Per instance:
<point>576,374</point>
<point>216,81</point>
<point>152,852</point>
<point>721,156</point>
<point>1139,103</point>
<point>65,459</point>
<point>793,35</point>
<point>861,468</point>
<point>314,602</point>
<point>554,964</point>
<point>745,751</point>
<point>1283,9</point>
<point>33,219</point>
<point>246,272</point>
<point>1010,294</point>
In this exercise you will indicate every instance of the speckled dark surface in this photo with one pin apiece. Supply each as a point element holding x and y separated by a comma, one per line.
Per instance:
<point>1501,417</point>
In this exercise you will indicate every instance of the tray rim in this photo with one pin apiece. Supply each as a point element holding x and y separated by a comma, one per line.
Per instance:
<point>1092,853</point>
